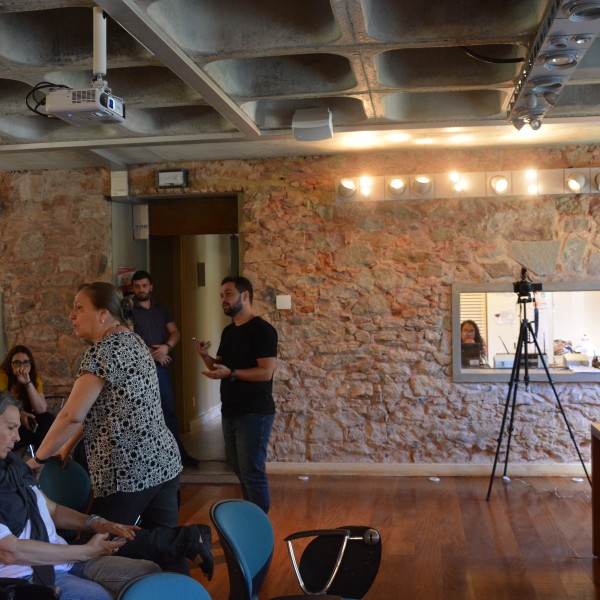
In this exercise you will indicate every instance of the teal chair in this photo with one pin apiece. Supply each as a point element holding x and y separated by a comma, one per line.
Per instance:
<point>163,586</point>
<point>247,539</point>
<point>68,485</point>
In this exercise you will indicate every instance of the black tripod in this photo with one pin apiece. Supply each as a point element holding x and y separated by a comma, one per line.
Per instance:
<point>526,334</point>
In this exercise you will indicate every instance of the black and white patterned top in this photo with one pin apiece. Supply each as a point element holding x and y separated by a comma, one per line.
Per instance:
<point>129,447</point>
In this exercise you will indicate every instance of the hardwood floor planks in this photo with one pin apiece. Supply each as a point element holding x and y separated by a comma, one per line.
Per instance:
<point>441,541</point>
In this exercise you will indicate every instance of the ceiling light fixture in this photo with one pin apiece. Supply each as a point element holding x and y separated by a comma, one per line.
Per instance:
<point>567,59</point>
<point>582,10</point>
<point>559,47</point>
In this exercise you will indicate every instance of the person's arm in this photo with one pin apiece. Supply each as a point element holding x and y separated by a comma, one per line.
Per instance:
<point>14,551</point>
<point>262,372</point>
<point>202,349</point>
<point>36,398</point>
<point>85,391</point>
<point>67,518</point>
<point>66,451</point>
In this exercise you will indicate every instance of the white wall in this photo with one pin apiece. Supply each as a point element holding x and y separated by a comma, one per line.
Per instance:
<point>203,318</point>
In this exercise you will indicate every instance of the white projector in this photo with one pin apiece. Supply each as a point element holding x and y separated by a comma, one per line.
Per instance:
<point>90,106</point>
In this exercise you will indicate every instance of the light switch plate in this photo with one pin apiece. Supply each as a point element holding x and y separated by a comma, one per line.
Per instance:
<point>283,302</point>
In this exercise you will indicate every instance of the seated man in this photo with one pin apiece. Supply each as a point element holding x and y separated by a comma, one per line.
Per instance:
<point>31,549</point>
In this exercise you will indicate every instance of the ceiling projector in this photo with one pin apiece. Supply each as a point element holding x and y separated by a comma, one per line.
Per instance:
<point>89,106</point>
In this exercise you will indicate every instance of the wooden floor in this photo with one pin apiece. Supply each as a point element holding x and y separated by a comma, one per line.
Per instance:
<point>440,540</point>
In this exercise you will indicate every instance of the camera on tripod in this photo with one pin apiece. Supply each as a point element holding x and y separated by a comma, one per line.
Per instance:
<point>525,287</point>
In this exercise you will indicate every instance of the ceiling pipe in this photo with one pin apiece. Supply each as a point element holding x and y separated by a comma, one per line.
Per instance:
<point>99,48</point>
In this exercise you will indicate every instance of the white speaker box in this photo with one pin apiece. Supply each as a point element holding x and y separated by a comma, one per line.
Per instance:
<point>312,124</point>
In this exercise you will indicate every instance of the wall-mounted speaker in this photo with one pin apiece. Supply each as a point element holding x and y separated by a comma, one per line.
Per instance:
<point>312,124</point>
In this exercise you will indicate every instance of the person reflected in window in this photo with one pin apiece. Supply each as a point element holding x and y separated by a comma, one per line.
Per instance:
<point>19,377</point>
<point>473,346</point>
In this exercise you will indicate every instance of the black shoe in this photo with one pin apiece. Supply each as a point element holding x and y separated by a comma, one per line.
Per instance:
<point>208,564</point>
<point>187,460</point>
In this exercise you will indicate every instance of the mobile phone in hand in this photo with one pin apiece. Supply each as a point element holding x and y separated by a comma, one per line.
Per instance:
<point>33,424</point>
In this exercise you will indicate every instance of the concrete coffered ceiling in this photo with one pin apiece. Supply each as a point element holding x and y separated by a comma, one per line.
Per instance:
<point>217,79</point>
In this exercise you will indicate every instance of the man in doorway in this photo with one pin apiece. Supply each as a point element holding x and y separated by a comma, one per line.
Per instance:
<point>152,321</point>
<point>245,363</point>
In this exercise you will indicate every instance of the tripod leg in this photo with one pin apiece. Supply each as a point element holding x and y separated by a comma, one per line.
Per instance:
<point>512,391</point>
<point>560,406</point>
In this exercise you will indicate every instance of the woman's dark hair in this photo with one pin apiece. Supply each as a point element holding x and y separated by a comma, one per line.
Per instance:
<point>241,284</point>
<point>105,295</point>
<point>7,400</point>
<point>478,339</point>
<point>6,366</point>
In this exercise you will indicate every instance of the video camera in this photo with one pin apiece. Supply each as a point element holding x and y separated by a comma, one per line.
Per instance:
<point>525,287</point>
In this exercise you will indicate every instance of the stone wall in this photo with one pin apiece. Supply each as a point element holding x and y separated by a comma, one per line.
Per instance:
<point>55,235</point>
<point>365,353</point>
<point>365,369</point>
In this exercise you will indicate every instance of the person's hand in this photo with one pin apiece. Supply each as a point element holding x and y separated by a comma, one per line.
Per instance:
<point>25,419</point>
<point>202,348</point>
<point>35,467</point>
<point>218,372</point>
<point>100,545</point>
<point>22,374</point>
<point>119,530</point>
<point>160,352</point>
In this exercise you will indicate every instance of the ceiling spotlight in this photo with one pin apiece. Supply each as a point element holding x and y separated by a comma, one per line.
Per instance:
<point>575,182</point>
<point>535,124</point>
<point>500,184</point>
<point>597,181</point>
<point>582,10</point>
<point>540,85</point>
<point>581,39</point>
<point>396,186</point>
<point>422,185</point>
<point>347,188</point>
<point>559,41</point>
<point>566,59</point>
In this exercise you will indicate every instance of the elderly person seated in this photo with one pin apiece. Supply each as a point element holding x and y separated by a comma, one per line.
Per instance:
<point>31,549</point>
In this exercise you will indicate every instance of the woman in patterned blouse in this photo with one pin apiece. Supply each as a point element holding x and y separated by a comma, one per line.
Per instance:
<point>133,459</point>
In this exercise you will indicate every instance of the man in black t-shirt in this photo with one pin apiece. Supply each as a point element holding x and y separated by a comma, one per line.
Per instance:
<point>245,363</point>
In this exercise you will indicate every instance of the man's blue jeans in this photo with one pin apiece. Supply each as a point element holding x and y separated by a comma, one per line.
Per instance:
<point>101,578</point>
<point>246,441</point>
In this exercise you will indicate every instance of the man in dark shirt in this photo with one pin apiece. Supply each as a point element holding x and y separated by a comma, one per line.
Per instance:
<point>245,363</point>
<point>152,321</point>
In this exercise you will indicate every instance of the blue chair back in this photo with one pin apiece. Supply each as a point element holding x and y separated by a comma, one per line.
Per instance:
<point>69,485</point>
<point>247,539</point>
<point>163,586</point>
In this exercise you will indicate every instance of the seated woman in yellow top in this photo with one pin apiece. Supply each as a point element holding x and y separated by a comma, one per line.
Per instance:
<point>19,377</point>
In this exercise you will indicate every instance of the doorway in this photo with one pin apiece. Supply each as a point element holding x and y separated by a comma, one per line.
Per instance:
<point>188,257</point>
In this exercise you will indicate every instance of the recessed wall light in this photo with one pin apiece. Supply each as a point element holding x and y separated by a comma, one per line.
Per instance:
<point>500,184</point>
<point>347,188</point>
<point>396,186</point>
<point>575,182</point>
<point>422,185</point>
